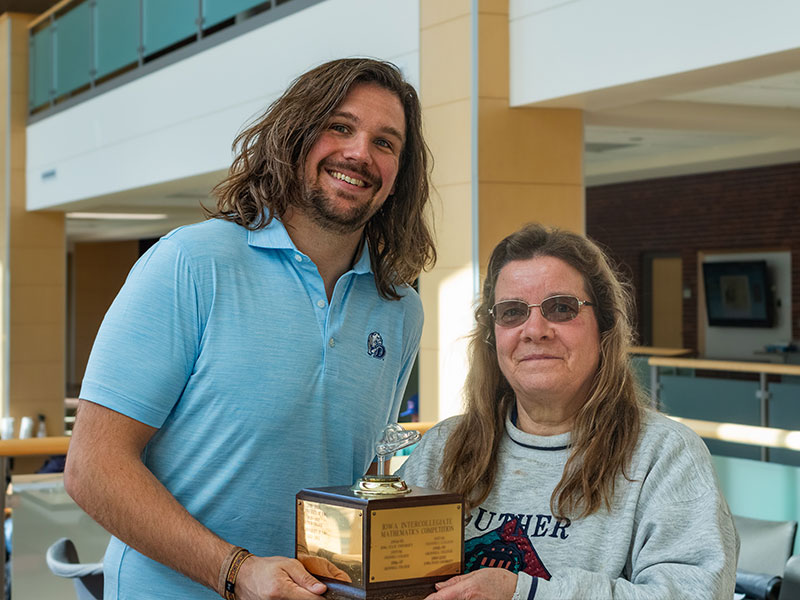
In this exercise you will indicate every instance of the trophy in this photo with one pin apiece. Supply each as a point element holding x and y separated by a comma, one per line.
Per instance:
<point>380,539</point>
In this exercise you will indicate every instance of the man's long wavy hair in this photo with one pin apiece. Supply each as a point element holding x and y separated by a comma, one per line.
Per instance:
<point>606,427</point>
<point>264,179</point>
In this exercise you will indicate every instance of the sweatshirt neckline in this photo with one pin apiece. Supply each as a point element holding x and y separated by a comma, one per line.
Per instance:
<point>549,443</point>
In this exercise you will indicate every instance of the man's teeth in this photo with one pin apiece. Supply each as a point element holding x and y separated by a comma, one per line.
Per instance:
<point>350,180</point>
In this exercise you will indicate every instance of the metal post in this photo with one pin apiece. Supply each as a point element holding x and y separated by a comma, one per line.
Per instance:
<point>53,59</point>
<point>763,396</point>
<point>31,71</point>
<point>199,20</point>
<point>92,42</point>
<point>654,401</point>
<point>141,33</point>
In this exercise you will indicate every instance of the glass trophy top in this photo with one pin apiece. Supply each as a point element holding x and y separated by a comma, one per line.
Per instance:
<point>394,438</point>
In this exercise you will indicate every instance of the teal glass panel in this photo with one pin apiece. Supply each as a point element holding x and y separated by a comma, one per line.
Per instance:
<point>724,400</point>
<point>731,449</point>
<point>41,67</point>
<point>168,22</point>
<point>73,51</point>
<point>784,413</point>
<point>116,34</point>
<point>760,490</point>
<point>216,11</point>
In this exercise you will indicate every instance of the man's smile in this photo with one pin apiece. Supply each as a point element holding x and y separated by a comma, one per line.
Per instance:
<point>348,179</point>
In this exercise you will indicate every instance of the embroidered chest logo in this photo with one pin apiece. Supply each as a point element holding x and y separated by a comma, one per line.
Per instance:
<point>375,347</point>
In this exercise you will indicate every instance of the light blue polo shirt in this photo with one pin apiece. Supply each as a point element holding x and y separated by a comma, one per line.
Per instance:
<point>223,338</point>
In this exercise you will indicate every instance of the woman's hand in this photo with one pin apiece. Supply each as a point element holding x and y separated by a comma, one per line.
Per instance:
<point>484,584</point>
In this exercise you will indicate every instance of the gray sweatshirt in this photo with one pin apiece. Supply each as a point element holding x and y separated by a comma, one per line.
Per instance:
<point>669,534</point>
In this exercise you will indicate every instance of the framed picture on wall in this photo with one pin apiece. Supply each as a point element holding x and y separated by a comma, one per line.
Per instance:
<point>738,294</point>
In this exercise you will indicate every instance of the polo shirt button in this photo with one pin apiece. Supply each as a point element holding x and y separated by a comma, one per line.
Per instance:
<point>331,342</point>
<point>321,303</point>
<point>298,258</point>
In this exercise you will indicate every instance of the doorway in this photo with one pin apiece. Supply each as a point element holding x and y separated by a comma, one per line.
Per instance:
<point>662,296</point>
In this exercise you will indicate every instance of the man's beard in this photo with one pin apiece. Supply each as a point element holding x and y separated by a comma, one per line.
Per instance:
<point>320,207</point>
<point>317,205</point>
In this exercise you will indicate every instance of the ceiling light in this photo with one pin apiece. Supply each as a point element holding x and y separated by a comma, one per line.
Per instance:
<point>116,216</point>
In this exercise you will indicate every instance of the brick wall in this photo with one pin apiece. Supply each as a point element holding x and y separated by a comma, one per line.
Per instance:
<point>742,210</point>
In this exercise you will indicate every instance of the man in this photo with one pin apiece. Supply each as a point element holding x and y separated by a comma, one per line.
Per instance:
<point>263,350</point>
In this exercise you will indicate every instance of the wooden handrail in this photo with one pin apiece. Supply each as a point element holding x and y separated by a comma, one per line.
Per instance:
<point>46,14</point>
<point>34,446</point>
<point>744,434</point>
<point>657,351</point>
<point>725,365</point>
<point>727,432</point>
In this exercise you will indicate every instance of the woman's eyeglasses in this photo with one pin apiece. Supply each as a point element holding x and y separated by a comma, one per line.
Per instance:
<point>557,309</point>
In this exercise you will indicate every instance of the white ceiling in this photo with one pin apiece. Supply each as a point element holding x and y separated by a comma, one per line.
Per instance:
<point>178,201</point>
<point>747,124</point>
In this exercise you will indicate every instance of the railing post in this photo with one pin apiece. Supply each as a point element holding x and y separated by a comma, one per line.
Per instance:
<point>654,385</point>
<point>763,396</point>
<point>51,93</point>
<point>140,49</point>
<point>199,20</point>
<point>31,72</point>
<point>92,42</point>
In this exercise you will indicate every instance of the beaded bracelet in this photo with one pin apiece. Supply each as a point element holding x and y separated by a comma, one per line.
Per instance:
<point>230,579</point>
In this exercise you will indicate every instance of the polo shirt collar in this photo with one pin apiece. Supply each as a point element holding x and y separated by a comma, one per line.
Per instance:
<point>274,235</point>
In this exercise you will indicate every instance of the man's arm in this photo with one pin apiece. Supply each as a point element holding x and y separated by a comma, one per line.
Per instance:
<point>106,477</point>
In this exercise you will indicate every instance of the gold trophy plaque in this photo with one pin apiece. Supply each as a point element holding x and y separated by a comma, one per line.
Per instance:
<point>380,539</point>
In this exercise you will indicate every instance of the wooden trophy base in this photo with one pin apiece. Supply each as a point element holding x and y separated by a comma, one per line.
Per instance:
<point>380,547</point>
<point>338,591</point>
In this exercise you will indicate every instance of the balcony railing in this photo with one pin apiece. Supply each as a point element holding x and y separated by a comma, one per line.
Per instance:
<point>746,411</point>
<point>78,45</point>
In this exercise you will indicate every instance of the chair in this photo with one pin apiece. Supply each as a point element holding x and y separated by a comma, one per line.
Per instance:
<point>790,590</point>
<point>766,545</point>
<point>62,559</point>
<point>765,549</point>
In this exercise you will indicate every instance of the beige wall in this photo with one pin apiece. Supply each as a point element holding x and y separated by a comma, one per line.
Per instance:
<point>446,292</point>
<point>529,169</point>
<point>33,265</point>
<point>530,160</point>
<point>98,269</point>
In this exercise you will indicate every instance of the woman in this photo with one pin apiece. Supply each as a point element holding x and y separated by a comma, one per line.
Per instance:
<point>574,488</point>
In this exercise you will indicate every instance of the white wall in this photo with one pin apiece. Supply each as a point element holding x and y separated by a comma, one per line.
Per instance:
<point>741,343</point>
<point>563,50</point>
<point>180,121</point>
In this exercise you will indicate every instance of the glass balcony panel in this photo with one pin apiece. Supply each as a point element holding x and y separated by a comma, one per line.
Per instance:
<point>217,11</point>
<point>73,51</point>
<point>708,399</point>
<point>116,35</point>
<point>783,414</point>
<point>41,68</point>
<point>167,23</point>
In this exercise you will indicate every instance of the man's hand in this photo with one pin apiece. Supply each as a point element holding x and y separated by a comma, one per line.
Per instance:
<point>484,584</point>
<point>276,578</point>
<point>322,566</point>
